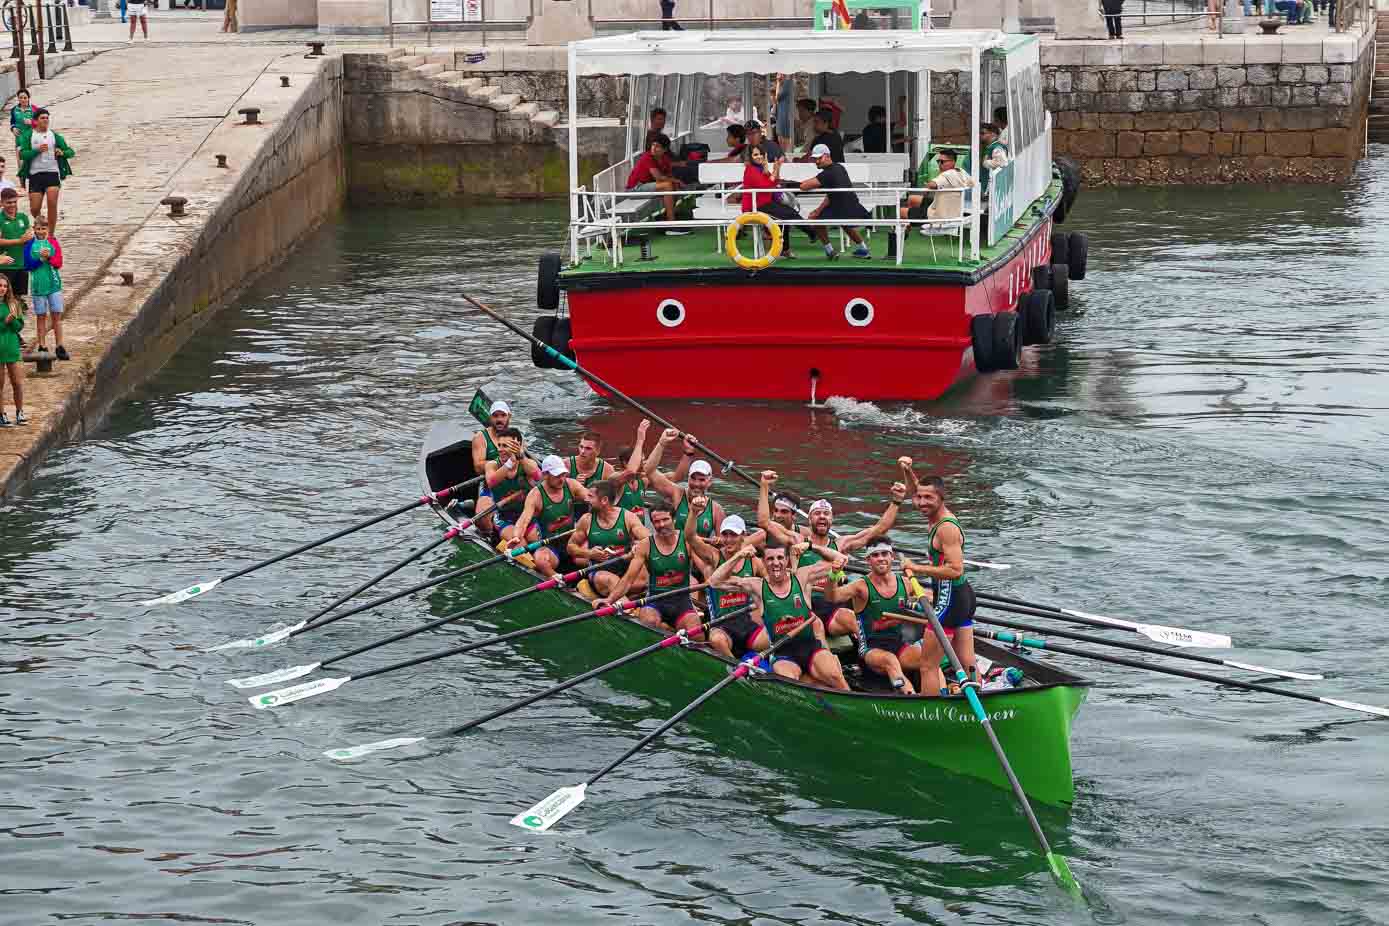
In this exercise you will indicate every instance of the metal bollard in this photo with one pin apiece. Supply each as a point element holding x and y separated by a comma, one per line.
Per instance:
<point>252,114</point>
<point>127,278</point>
<point>221,160</point>
<point>284,81</point>
<point>315,49</point>
<point>175,204</point>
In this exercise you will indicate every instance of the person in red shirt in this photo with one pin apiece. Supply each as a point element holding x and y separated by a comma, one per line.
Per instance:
<point>759,174</point>
<point>652,173</point>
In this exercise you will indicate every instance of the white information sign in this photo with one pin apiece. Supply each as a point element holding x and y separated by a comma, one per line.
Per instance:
<point>446,11</point>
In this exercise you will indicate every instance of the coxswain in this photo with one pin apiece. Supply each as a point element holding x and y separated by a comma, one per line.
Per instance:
<point>838,620</point>
<point>952,595</point>
<point>885,645</point>
<point>605,532</point>
<point>667,563</point>
<point>698,476</point>
<point>485,441</point>
<point>742,634</point>
<point>781,603</point>
<point>588,466</point>
<point>549,510</point>
<point>506,481</point>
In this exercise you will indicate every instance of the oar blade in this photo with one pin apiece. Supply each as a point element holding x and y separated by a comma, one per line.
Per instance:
<point>1356,706</point>
<point>273,678</point>
<point>365,749</point>
<point>183,594</point>
<point>297,692</point>
<point>982,565</point>
<point>1062,873</point>
<point>1264,670</point>
<point>1180,636</point>
<point>269,639</point>
<point>550,811</point>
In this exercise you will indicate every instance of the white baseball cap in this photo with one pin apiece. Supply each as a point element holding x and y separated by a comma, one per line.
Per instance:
<point>554,466</point>
<point>734,524</point>
<point>701,466</point>
<point>821,504</point>
<point>820,151</point>
<point>499,406</point>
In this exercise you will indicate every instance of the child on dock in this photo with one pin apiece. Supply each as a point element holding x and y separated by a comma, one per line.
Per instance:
<point>12,323</point>
<point>43,256</point>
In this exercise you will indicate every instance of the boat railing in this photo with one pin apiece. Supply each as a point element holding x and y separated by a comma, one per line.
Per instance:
<point>610,217</point>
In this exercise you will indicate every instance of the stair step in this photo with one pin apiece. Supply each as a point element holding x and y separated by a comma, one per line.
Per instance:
<point>546,117</point>
<point>484,93</point>
<point>449,77</point>
<point>469,84</point>
<point>405,62</point>
<point>428,70</point>
<point>504,101</point>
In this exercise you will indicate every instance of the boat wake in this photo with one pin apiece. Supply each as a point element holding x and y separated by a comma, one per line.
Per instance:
<point>853,412</point>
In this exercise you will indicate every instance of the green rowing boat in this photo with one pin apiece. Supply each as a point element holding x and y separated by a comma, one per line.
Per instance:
<point>1033,721</point>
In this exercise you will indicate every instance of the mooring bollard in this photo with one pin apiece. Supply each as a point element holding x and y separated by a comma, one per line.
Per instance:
<point>315,49</point>
<point>175,204</point>
<point>221,160</point>
<point>252,114</point>
<point>284,80</point>
<point>43,363</point>
<point>127,278</point>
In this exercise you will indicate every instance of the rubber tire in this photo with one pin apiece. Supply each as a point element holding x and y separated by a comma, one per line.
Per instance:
<point>1007,341</point>
<point>1061,286</point>
<point>543,330</point>
<point>1041,277</point>
<point>981,333</point>
<point>560,336</point>
<point>1060,248</point>
<point>547,283</point>
<point>1077,254</point>
<point>1038,312</point>
<point>1058,215</point>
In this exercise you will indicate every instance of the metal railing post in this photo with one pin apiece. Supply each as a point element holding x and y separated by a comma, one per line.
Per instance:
<point>14,15</point>
<point>67,29</point>
<point>52,37</point>
<point>35,46</point>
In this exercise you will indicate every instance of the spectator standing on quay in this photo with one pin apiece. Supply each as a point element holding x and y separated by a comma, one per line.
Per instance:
<point>136,11</point>
<point>1114,19</point>
<point>11,323</point>
<point>668,23</point>
<point>15,233</point>
<point>45,154</point>
<point>21,117</point>
<point>43,256</point>
<point>229,18</point>
<point>5,182</point>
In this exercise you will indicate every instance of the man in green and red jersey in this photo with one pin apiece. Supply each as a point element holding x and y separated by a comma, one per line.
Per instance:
<point>885,645</point>
<point>506,481</point>
<point>698,476</point>
<point>667,563</point>
<point>549,511</point>
<point>742,634</point>
<point>781,604</point>
<point>606,531</point>
<point>485,441</point>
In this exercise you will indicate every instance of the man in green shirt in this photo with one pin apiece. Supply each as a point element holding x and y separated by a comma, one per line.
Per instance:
<point>15,233</point>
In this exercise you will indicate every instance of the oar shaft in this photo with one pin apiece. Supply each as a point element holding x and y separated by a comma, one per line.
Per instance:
<point>383,574</point>
<point>1054,614</point>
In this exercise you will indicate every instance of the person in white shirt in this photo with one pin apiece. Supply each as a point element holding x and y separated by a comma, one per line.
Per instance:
<point>136,11</point>
<point>5,182</point>
<point>949,202</point>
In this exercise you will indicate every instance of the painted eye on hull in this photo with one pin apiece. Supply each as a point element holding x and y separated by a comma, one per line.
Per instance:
<point>670,313</point>
<point>859,313</point>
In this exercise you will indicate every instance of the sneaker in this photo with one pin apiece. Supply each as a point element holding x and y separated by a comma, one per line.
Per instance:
<point>4,421</point>
<point>62,353</point>
<point>21,418</point>
<point>677,231</point>
<point>41,349</point>
<point>862,251</point>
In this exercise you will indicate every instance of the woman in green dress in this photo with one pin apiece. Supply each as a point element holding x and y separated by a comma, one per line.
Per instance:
<point>21,121</point>
<point>10,368</point>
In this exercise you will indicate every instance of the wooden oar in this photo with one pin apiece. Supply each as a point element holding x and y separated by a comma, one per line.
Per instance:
<point>202,588</point>
<point>324,685</point>
<point>1176,636</point>
<point>728,465</point>
<point>1059,869</point>
<point>1004,636</point>
<point>292,672</point>
<point>356,752</point>
<point>285,633</point>
<point>554,808</point>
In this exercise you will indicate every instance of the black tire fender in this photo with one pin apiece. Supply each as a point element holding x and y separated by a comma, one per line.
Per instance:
<point>1077,254</point>
<point>560,336</point>
<point>1060,248</point>
<point>547,282</point>
<point>1038,312</point>
<point>543,330</point>
<point>981,333</point>
<point>1041,277</point>
<point>1007,341</point>
<point>1061,286</point>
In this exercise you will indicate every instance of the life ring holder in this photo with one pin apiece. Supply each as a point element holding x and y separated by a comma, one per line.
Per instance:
<point>730,243</point>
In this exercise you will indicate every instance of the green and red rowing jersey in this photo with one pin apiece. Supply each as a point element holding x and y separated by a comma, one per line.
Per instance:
<point>492,452</point>
<point>937,557</point>
<point>704,527</point>
<point>615,537</point>
<point>873,621</point>
<point>810,558</point>
<point>722,601</point>
<point>781,616</point>
<point>669,570</point>
<point>517,485</point>
<point>555,516</point>
<point>631,499</point>
<point>599,473</point>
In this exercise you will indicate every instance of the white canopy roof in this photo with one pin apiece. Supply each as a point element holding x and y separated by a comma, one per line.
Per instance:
<point>767,51</point>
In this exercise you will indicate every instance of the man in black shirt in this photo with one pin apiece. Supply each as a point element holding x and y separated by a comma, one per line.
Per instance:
<point>841,203</point>
<point>827,136</point>
<point>875,132</point>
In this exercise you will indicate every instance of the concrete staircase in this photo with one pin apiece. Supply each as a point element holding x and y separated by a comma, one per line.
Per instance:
<point>1377,128</point>
<point>434,68</point>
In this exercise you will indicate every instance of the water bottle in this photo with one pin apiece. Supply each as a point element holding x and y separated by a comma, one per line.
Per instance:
<point>1013,676</point>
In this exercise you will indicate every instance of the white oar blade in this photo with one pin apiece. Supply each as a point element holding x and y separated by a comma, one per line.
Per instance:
<point>1337,702</point>
<point>978,565</point>
<point>269,639</point>
<point>1263,670</point>
<point>366,749</point>
<point>273,678</point>
<point>183,594</point>
<point>297,692</point>
<point>1180,636</point>
<point>550,811</point>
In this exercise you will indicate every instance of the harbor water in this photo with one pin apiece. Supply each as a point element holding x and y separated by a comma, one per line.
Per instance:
<point>1203,446</point>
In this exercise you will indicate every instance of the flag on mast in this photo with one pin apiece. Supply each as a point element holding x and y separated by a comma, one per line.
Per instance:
<point>842,8</point>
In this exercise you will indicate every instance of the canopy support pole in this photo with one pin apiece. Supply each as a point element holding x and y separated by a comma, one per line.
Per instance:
<point>573,159</point>
<point>975,80</point>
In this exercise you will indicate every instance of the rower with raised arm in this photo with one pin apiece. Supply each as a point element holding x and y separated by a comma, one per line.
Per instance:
<point>838,620</point>
<point>603,533</point>
<point>886,646</point>
<point>667,563</point>
<point>780,604</point>
<point>588,466</point>
<point>633,484</point>
<point>549,511</point>
<point>742,634</point>
<point>698,476</point>
<point>506,482</point>
<point>952,595</point>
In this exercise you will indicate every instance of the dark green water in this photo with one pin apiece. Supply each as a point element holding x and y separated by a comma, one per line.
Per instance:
<point>1203,446</point>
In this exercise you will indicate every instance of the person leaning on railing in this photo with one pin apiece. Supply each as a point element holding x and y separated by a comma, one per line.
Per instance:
<point>761,174</point>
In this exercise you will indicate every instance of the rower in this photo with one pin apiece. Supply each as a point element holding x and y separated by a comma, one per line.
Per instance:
<point>953,596</point>
<point>633,485</point>
<point>884,644</point>
<point>742,634</point>
<point>485,441</point>
<point>587,465</point>
<point>838,621</point>
<point>604,532</point>
<point>780,605</point>
<point>506,482</point>
<point>667,563</point>
<point>698,476</point>
<point>550,508</point>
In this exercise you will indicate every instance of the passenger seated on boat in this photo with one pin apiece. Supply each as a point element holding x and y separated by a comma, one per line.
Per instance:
<point>506,480</point>
<point>737,143</point>
<point>757,136</point>
<point>742,634</point>
<point>549,510</point>
<point>604,532</point>
<point>875,132</point>
<point>886,646</point>
<point>840,202</point>
<point>653,172</point>
<point>657,122</point>
<point>942,205</point>
<point>825,135</point>
<point>759,174</point>
<point>993,154</point>
<point>805,124</point>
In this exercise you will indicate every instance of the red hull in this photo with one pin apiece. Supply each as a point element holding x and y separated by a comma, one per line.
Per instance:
<point>753,340</point>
